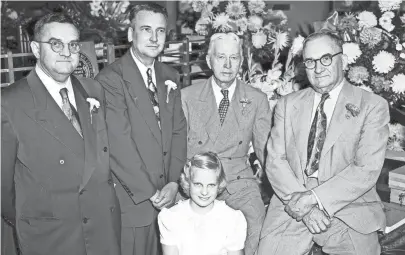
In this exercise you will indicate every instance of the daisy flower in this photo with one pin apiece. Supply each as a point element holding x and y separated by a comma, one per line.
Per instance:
<point>235,9</point>
<point>352,51</point>
<point>255,23</point>
<point>398,83</point>
<point>281,40</point>
<point>259,39</point>
<point>256,6</point>
<point>388,5</point>
<point>221,22</point>
<point>358,74</point>
<point>383,62</point>
<point>367,19</point>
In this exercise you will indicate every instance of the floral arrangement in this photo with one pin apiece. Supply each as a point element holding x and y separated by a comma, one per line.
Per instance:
<point>375,47</point>
<point>396,140</point>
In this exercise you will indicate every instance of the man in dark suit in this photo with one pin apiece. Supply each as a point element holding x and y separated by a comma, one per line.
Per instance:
<point>146,128</point>
<point>56,182</point>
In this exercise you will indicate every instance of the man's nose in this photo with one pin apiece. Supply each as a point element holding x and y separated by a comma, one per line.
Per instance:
<point>65,51</point>
<point>153,37</point>
<point>319,67</point>
<point>228,63</point>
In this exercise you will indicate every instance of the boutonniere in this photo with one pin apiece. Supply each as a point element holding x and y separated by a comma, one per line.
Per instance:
<point>353,110</point>
<point>170,86</point>
<point>94,105</point>
<point>244,101</point>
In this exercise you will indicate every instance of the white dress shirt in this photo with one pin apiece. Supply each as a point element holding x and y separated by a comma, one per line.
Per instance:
<point>328,108</point>
<point>143,69</point>
<point>54,87</point>
<point>218,94</point>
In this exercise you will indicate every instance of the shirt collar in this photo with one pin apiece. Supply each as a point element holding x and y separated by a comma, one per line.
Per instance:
<point>51,85</point>
<point>217,89</point>
<point>142,68</point>
<point>334,93</point>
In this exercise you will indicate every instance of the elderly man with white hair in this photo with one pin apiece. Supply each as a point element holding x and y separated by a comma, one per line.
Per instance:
<point>224,115</point>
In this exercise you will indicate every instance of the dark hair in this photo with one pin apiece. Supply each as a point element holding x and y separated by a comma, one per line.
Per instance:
<point>49,18</point>
<point>151,7</point>
<point>324,33</point>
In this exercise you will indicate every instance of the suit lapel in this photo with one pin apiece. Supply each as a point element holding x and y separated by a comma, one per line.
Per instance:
<point>301,123</point>
<point>339,121</point>
<point>88,129</point>
<point>235,107</point>
<point>139,93</point>
<point>208,108</point>
<point>50,117</point>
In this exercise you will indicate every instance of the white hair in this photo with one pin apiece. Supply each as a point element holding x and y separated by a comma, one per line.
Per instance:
<point>224,36</point>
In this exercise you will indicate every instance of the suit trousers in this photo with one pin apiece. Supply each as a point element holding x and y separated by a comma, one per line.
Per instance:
<point>141,240</point>
<point>294,238</point>
<point>249,201</point>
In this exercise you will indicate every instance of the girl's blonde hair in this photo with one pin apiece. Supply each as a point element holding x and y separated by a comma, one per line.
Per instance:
<point>206,161</point>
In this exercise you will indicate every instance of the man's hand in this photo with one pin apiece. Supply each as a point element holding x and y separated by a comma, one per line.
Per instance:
<point>167,196</point>
<point>300,204</point>
<point>153,198</point>
<point>316,221</point>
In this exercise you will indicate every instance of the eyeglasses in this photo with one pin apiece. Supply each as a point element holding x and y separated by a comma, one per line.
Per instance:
<point>325,60</point>
<point>57,46</point>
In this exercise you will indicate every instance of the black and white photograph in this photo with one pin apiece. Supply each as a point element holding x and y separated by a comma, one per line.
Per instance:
<point>204,127</point>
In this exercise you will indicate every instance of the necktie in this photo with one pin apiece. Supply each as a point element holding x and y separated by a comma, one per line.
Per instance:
<point>223,105</point>
<point>69,111</point>
<point>316,139</point>
<point>153,95</point>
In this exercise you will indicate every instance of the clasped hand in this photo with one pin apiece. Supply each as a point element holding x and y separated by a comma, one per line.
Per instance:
<point>165,197</point>
<point>302,206</point>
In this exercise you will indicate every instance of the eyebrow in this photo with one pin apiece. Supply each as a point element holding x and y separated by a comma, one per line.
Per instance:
<point>56,39</point>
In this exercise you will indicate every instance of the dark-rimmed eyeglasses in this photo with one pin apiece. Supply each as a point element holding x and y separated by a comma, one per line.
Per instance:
<point>325,60</point>
<point>58,46</point>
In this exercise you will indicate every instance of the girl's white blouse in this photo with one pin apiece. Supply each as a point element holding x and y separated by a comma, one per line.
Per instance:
<point>221,230</point>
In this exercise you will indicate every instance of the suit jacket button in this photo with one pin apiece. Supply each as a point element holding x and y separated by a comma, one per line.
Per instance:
<point>164,153</point>
<point>110,181</point>
<point>161,176</point>
<point>61,162</point>
<point>199,142</point>
<point>238,177</point>
<point>81,192</point>
<point>230,158</point>
<point>85,220</point>
<point>240,142</point>
<point>105,149</point>
<point>112,208</point>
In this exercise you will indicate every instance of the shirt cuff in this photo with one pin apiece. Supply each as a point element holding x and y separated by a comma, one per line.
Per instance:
<point>318,201</point>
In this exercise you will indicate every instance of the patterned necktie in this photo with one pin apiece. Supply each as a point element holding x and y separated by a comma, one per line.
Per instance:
<point>316,138</point>
<point>69,111</point>
<point>223,105</point>
<point>153,95</point>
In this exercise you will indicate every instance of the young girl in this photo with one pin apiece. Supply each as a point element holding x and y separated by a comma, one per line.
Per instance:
<point>202,225</point>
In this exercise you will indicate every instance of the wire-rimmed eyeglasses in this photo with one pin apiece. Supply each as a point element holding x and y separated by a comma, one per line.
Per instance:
<point>58,46</point>
<point>325,60</point>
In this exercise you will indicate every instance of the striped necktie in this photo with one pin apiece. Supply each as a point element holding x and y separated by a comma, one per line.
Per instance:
<point>153,95</point>
<point>69,111</point>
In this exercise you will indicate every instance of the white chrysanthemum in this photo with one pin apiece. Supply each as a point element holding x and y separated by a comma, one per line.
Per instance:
<point>201,26</point>
<point>242,23</point>
<point>398,47</point>
<point>221,22</point>
<point>358,74</point>
<point>389,5</point>
<point>281,40</point>
<point>352,51</point>
<point>398,83</point>
<point>255,23</point>
<point>383,62</point>
<point>386,23</point>
<point>367,19</point>
<point>366,88</point>
<point>256,6</point>
<point>235,9</point>
<point>259,39</point>
<point>402,55</point>
<point>273,74</point>
<point>397,130</point>
<point>390,15</point>
<point>297,45</point>
<point>395,145</point>
<point>402,18</point>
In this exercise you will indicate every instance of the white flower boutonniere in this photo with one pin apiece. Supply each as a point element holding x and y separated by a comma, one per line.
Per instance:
<point>94,105</point>
<point>244,101</point>
<point>353,110</point>
<point>170,86</point>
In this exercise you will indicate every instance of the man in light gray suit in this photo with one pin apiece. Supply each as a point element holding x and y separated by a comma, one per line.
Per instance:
<point>224,115</point>
<point>325,154</point>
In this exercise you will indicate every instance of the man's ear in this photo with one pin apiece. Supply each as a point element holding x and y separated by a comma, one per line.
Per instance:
<point>130,33</point>
<point>35,49</point>
<point>345,61</point>
<point>208,59</point>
